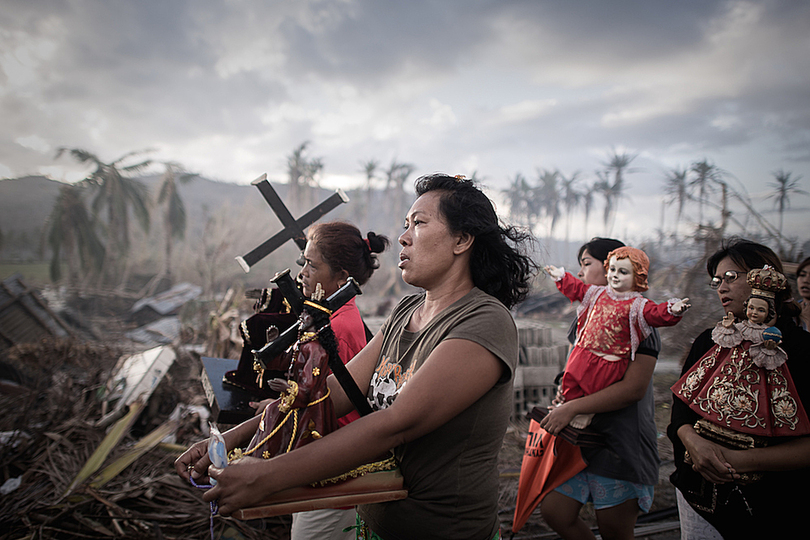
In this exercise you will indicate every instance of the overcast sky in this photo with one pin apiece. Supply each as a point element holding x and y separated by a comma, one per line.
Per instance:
<point>229,88</point>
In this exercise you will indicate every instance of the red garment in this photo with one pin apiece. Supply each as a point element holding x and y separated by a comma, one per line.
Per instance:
<point>350,332</point>
<point>727,388</point>
<point>608,323</point>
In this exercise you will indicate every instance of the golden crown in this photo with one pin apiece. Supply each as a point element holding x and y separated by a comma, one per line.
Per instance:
<point>766,281</point>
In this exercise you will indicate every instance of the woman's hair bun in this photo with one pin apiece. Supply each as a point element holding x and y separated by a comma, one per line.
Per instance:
<point>377,244</point>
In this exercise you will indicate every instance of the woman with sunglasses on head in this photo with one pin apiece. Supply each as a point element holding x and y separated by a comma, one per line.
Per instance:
<point>714,499</point>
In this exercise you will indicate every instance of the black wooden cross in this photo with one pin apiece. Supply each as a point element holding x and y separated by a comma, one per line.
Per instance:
<point>293,229</point>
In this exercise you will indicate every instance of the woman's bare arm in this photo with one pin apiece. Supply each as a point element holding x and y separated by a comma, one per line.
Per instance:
<point>787,456</point>
<point>424,404</point>
<point>630,389</point>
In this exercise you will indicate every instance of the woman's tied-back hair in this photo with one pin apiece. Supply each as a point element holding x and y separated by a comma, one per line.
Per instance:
<point>749,255</point>
<point>598,248</point>
<point>499,263</point>
<point>640,261</point>
<point>343,248</point>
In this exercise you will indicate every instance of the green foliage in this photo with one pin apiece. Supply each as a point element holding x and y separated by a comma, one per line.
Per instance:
<point>115,192</point>
<point>71,231</point>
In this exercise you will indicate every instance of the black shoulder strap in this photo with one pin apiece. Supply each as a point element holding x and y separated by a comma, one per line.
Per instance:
<point>349,386</point>
<point>369,335</point>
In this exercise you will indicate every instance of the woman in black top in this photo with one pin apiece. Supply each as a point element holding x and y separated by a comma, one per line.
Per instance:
<point>771,507</point>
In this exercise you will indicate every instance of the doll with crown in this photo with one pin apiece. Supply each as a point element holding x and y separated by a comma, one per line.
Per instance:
<point>742,388</point>
<point>303,412</point>
<point>611,322</point>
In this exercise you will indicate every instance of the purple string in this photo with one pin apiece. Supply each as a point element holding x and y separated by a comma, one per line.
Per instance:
<point>213,504</point>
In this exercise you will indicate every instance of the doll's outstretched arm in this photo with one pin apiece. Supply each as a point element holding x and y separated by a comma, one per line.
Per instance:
<point>666,313</point>
<point>555,273</point>
<point>572,287</point>
<point>680,306</point>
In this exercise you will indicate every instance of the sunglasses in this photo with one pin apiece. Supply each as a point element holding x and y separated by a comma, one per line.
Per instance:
<point>729,277</point>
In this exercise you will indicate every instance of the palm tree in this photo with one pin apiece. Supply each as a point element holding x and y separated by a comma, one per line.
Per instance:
<point>370,170</point>
<point>70,231</point>
<point>784,187</point>
<point>602,186</point>
<point>570,198</point>
<point>612,193</point>
<point>395,177</point>
<point>314,167</point>
<point>517,196</point>
<point>174,217</point>
<point>116,192</point>
<point>677,187</point>
<point>547,200</point>
<point>706,176</point>
<point>618,164</point>
<point>396,174</point>
<point>587,205</point>
<point>301,172</point>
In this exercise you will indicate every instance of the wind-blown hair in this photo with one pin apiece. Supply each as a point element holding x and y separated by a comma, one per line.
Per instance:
<point>500,263</point>
<point>749,255</point>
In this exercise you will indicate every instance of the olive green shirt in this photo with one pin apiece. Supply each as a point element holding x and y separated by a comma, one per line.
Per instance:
<point>451,473</point>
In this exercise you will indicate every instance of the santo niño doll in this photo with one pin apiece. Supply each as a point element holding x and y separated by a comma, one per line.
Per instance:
<point>742,387</point>
<point>303,412</point>
<point>611,322</point>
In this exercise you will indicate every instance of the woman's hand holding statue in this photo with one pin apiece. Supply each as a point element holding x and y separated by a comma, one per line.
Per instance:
<point>239,485</point>
<point>707,458</point>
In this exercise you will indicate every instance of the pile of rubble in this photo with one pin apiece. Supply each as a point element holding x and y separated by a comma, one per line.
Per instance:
<point>91,427</point>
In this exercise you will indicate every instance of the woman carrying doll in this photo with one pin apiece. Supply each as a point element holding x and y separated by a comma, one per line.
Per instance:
<point>750,491</point>
<point>611,322</point>
<point>742,388</point>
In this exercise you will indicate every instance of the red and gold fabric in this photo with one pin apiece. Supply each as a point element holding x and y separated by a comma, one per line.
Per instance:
<point>728,388</point>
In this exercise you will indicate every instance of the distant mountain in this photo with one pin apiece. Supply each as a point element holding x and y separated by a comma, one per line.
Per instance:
<point>26,203</point>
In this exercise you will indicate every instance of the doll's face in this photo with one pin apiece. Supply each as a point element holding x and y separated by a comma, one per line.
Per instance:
<point>757,310</point>
<point>620,276</point>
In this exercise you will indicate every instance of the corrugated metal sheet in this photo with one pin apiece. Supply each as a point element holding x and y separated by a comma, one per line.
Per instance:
<point>24,316</point>
<point>167,303</point>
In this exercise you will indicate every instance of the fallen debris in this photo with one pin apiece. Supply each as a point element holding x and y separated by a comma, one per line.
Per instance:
<point>64,477</point>
<point>24,316</point>
<point>135,378</point>
<point>164,304</point>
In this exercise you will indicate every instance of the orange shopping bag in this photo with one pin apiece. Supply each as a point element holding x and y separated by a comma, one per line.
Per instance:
<point>548,462</point>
